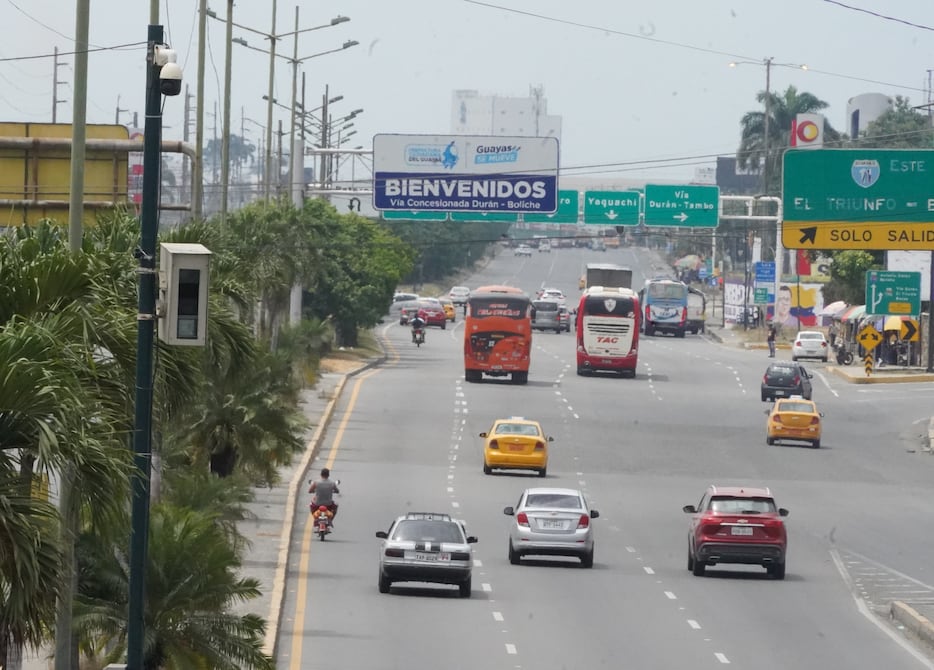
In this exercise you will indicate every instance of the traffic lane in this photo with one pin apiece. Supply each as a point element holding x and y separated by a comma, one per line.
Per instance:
<point>741,607</point>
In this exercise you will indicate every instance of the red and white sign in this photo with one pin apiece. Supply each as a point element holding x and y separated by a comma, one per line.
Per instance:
<point>807,131</point>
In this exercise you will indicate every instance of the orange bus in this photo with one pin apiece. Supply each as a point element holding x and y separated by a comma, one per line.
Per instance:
<point>498,334</point>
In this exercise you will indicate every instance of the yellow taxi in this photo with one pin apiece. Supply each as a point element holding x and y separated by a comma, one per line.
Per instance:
<point>450,312</point>
<point>794,418</point>
<point>515,444</point>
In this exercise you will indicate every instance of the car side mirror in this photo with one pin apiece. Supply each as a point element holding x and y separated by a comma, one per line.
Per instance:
<point>382,534</point>
<point>690,509</point>
<point>482,434</point>
<point>509,511</point>
<point>594,514</point>
<point>551,439</point>
<point>820,414</point>
<point>767,412</point>
<point>471,539</point>
<point>782,511</point>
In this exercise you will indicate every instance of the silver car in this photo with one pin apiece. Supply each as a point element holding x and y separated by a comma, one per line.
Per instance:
<point>552,522</point>
<point>426,547</point>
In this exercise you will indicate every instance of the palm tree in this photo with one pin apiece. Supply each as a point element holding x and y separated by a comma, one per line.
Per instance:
<point>783,110</point>
<point>191,584</point>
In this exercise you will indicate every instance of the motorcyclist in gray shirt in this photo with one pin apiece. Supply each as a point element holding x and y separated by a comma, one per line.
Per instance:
<point>324,490</point>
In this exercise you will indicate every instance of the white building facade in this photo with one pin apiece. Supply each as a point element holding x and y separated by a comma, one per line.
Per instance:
<point>476,114</point>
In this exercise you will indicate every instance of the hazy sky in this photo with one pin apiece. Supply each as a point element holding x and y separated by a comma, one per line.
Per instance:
<point>633,82</point>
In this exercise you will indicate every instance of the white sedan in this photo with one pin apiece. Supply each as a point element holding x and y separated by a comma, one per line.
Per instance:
<point>810,344</point>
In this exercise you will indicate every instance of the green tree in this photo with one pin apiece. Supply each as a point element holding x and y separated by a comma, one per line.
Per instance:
<point>900,127</point>
<point>848,276</point>
<point>783,110</point>
<point>191,584</point>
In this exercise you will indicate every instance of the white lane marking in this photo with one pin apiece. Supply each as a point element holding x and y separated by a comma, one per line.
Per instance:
<point>570,409</point>
<point>450,489</point>
<point>498,616</point>
<point>450,476</point>
<point>455,504</point>
<point>576,416</point>
<point>693,624</point>
<point>648,570</point>
<point>722,658</point>
<point>511,649</point>
<point>486,587</point>
<point>579,474</point>
<point>631,550</point>
<point>866,612</point>
<point>581,482</point>
<point>477,563</point>
<point>557,392</point>
<point>670,595</point>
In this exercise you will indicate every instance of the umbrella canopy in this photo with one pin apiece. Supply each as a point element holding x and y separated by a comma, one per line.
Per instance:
<point>894,323</point>
<point>853,313</point>
<point>834,309</point>
<point>689,262</point>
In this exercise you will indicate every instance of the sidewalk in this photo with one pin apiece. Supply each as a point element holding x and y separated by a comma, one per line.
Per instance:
<point>268,527</point>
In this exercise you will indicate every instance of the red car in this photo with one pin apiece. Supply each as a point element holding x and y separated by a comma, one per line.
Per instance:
<point>733,524</point>
<point>432,311</point>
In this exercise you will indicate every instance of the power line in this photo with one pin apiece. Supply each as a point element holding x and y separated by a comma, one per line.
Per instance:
<point>72,53</point>
<point>878,15</point>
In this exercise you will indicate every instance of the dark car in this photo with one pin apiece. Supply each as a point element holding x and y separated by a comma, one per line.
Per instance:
<point>784,379</point>
<point>407,311</point>
<point>564,318</point>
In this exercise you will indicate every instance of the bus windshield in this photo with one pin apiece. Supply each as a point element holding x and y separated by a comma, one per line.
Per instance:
<point>667,291</point>
<point>510,308</point>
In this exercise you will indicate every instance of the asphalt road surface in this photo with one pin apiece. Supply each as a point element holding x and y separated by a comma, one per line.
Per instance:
<point>405,438</point>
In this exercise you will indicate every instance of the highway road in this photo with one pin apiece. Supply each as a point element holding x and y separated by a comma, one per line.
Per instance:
<point>405,438</point>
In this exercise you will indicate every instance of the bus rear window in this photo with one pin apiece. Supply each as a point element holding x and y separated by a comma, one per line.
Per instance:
<point>505,307</point>
<point>608,306</point>
<point>667,291</point>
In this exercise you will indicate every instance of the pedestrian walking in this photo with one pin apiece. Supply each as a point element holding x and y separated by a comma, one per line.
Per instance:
<point>832,333</point>
<point>771,340</point>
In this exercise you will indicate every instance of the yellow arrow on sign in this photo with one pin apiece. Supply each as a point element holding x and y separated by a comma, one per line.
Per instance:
<point>867,235</point>
<point>909,331</point>
<point>869,337</point>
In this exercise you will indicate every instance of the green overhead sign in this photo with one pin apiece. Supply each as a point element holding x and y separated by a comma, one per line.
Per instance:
<point>414,216</point>
<point>485,216</point>
<point>567,212</point>
<point>682,206</point>
<point>612,208</point>
<point>893,292</point>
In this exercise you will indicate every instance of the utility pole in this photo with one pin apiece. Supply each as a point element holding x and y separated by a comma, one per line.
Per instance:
<point>768,114</point>
<point>197,176</point>
<point>325,139</point>
<point>272,73</point>
<point>186,191</point>
<point>56,101</point>
<point>292,176</point>
<point>225,146</point>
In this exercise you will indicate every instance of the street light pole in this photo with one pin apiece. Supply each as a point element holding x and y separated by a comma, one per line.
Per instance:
<point>197,172</point>
<point>142,434</point>
<point>225,140</point>
<point>292,176</point>
<point>272,73</point>
<point>768,114</point>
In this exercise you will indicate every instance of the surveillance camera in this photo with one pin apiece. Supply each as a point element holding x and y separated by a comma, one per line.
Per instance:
<point>170,79</point>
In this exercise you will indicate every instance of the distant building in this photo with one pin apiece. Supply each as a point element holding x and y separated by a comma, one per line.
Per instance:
<point>861,110</point>
<point>734,181</point>
<point>475,114</point>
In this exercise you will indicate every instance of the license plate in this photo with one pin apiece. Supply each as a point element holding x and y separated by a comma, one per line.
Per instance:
<point>516,447</point>
<point>552,524</point>
<point>779,393</point>
<point>740,530</point>
<point>429,556</point>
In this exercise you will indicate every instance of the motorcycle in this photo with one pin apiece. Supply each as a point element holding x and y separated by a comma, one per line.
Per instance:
<point>322,518</point>
<point>418,336</point>
<point>844,355</point>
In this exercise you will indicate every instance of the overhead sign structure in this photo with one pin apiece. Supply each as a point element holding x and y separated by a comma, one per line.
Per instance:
<point>869,337</point>
<point>465,173</point>
<point>683,206</point>
<point>567,212</point>
<point>858,199</point>
<point>893,292</point>
<point>612,208</point>
<point>484,216</point>
<point>415,215</point>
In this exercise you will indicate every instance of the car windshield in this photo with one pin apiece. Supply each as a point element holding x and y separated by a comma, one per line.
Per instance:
<point>792,406</point>
<point>553,500</point>
<point>428,531</point>
<point>517,429</point>
<point>735,505</point>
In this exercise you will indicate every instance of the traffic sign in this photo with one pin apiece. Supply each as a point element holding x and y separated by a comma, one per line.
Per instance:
<point>869,337</point>
<point>910,331</point>
<point>867,362</point>
<point>567,212</point>
<point>684,206</point>
<point>616,208</point>
<point>415,215</point>
<point>765,271</point>
<point>761,296</point>
<point>893,292</point>
<point>484,216</point>
<point>858,199</point>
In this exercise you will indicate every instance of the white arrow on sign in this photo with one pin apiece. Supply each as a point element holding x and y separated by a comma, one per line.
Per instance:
<point>682,217</point>
<point>611,215</point>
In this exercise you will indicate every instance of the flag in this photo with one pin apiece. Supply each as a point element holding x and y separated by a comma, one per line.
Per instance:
<point>807,131</point>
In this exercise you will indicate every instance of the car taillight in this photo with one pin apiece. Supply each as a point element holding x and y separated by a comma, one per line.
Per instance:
<point>815,420</point>
<point>765,379</point>
<point>823,344</point>
<point>460,556</point>
<point>522,519</point>
<point>584,521</point>
<point>539,446</point>
<point>774,528</point>
<point>797,343</point>
<point>647,312</point>
<point>684,314</point>
<point>395,553</point>
<point>494,444</point>
<point>777,418</point>
<point>797,380</point>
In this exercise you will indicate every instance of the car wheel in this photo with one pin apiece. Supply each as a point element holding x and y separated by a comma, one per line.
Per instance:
<point>690,559</point>
<point>770,441</point>
<point>794,358</point>
<point>815,444</point>
<point>465,588</point>
<point>808,396</point>
<point>514,555</point>
<point>777,570</point>
<point>558,331</point>
<point>444,325</point>
<point>384,583</point>
<point>825,359</point>
<point>587,559</point>
<point>699,567</point>
<point>764,398</point>
<point>487,470</point>
<point>583,372</point>
<point>401,322</point>
<point>543,472</point>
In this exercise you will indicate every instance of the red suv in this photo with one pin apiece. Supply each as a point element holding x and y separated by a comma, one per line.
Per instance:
<point>432,311</point>
<point>737,525</point>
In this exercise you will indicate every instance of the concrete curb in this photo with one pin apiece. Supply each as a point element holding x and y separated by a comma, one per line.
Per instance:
<point>288,522</point>
<point>878,378</point>
<point>911,619</point>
